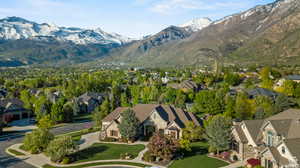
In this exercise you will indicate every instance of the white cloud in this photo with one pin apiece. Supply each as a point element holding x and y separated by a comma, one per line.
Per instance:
<point>168,7</point>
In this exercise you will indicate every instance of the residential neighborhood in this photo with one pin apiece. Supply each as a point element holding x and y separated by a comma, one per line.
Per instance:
<point>132,118</point>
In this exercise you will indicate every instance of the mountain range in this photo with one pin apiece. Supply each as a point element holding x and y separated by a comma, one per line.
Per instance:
<point>265,34</point>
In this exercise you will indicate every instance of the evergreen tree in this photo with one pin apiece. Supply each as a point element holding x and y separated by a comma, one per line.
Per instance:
<point>218,133</point>
<point>129,125</point>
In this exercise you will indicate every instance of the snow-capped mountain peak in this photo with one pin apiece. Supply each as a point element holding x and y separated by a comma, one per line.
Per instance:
<point>14,28</point>
<point>197,24</point>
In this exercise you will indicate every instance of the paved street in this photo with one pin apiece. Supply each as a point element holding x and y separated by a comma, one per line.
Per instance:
<point>7,161</point>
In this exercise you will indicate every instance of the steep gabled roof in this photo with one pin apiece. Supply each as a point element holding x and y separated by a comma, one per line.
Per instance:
<point>287,123</point>
<point>294,146</point>
<point>241,134</point>
<point>253,127</point>
<point>277,156</point>
<point>114,115</point>
<point>167,112</point>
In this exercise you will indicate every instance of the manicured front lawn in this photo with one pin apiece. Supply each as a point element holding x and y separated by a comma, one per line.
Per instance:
<point>198,161</point>
<point>198,158</point>
<point>100,151</point>
<point>100,164</point>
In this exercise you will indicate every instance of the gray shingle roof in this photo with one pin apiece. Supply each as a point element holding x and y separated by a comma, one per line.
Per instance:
<point>263,92</point>
<point>293,77</point>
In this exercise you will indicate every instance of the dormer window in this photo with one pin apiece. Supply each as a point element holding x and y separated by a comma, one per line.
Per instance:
<point>283,150</point>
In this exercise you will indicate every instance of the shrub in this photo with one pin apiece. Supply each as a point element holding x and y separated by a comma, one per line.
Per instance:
<point>37,141</point>
<point>61,147</point>
<point>126,156</point>
<point>109,139</point>
<point>148,157</point>
<point>66,160</point>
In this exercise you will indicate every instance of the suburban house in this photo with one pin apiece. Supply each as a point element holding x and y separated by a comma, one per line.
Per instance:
<point>262,92</point>
<point>186,85</point>
<point>275,140</point>
<point>294,78</point>
<point>89,101</point>
<point>165,119</point>
<point>13,109</point>
<point>54,96</point>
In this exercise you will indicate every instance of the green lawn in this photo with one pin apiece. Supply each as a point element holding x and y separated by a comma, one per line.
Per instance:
<point>17,153</point>
<point>197,158</point>
<point>83,117</point>
<point>99,164</point>
<point>76,136</point>
<point>100,151</point>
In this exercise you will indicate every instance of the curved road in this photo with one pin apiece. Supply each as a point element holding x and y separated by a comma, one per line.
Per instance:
<point>7,161</point>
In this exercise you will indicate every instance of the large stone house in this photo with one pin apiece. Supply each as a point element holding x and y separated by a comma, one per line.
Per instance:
<point>165,119</point>
<point>275,140</point>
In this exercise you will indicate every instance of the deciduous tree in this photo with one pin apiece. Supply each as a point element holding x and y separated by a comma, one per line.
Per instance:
<point>59,148</point>
<point>162,146</point>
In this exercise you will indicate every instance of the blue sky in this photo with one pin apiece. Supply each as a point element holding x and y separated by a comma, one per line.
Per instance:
<point>133,18</point>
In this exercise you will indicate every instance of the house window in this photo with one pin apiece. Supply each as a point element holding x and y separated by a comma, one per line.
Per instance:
<point>154,116</point>
<point>173,134</point>
<point>283,150</point>
<point>114,133</point>
<point>161,131</point>
<point>270,138</point>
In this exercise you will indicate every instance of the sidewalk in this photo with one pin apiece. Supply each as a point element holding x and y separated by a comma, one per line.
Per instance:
<point>235,165</point>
